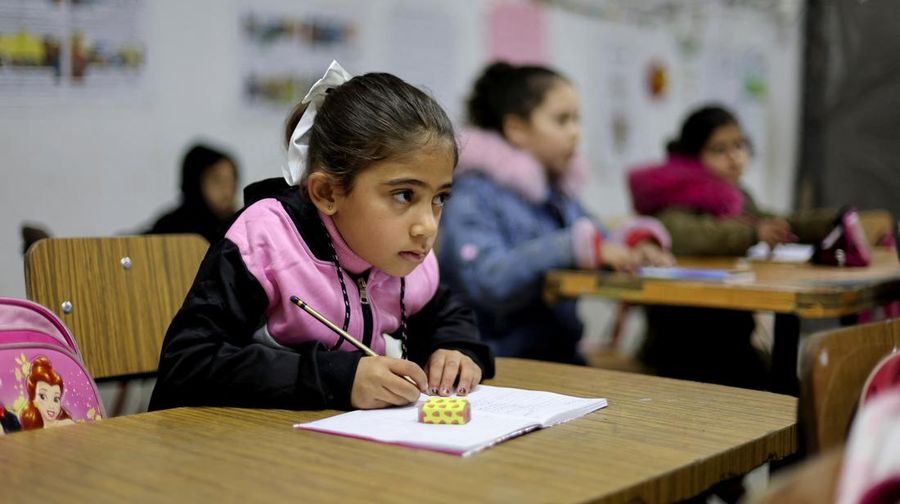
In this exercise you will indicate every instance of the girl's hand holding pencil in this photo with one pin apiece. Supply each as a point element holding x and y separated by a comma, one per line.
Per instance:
<point>380,383</point>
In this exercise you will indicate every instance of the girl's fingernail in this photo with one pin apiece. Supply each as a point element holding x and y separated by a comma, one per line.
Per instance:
<point>445,391</point>
<point>432,390</point>
<point>461,391</point>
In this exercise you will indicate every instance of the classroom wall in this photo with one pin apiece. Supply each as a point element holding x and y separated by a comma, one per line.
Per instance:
<point>106,166</point>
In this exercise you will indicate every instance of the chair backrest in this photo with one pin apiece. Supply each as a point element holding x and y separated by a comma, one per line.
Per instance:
<point>878,226</point>
<point>117,295</point>
<point>834,366</point>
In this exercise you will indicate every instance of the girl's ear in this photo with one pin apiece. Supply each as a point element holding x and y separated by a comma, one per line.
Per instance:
<point>516,130</point>
<point>322,190</point>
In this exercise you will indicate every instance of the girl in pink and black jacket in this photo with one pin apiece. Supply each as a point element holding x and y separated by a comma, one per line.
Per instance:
<point>374,159</point>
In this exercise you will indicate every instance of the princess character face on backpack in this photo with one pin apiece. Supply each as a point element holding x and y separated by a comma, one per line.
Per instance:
<point>45,389</point>
<point>43,380</point>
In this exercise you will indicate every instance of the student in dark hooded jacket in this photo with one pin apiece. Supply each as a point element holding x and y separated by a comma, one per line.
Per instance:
<point>209,180</point>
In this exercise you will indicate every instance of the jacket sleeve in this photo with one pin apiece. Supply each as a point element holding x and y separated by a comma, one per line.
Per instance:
<point>446,322</point>
<point>703,234</point>
<point>809,226</point>
<point>812,226</point>
<point>489,269</point>
<point>640,228</point>
<point>210,358</point>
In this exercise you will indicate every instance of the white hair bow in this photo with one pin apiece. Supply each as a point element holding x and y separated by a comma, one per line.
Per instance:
<point>299,146</point>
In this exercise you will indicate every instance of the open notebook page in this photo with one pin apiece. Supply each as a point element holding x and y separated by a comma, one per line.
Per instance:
<point>498,414</point>
<point>544,408</point>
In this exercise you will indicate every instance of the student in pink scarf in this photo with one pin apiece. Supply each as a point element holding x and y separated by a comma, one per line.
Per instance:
<point>697,193</point>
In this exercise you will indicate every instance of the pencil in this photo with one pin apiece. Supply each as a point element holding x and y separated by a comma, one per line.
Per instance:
<point>340,332</point>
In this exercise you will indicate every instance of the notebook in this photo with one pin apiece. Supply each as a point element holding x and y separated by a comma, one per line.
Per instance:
<point>498,414</point>
<point>702,274</point>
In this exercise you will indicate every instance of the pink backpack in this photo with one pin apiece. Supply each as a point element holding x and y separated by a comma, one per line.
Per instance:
<point>846,244</point>
<point>43,381</point>
<point>885,376</point>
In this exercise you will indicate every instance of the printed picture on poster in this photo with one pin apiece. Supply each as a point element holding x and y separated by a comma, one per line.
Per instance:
<point>284,52</point>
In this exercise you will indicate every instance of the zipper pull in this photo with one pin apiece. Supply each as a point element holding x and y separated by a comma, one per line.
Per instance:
<point>361,285</point>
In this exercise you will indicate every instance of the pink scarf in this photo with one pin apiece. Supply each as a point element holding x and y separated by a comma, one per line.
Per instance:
<point>683,182</point>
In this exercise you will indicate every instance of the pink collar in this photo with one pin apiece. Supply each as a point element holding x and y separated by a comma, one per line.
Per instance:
<point>346,257</point>
<point>489,153</point>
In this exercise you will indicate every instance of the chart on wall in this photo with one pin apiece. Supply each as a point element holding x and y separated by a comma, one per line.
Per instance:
<point>618,76</point>
<point>630,89</point>
<point>72,49</point>
<point>741,82</point>
<point>286,47</point>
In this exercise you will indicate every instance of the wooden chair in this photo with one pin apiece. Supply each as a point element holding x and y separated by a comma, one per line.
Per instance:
<point>117,295</point>
<point>833,369</point>
<point>607,355</point>
<point>878,225</point>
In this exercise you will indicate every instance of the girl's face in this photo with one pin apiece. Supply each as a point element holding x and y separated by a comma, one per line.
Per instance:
<point>551,135</point>
<point>46,400</point>
<point>726,153</point>
<point>219,187</point>
<point>390,217</point>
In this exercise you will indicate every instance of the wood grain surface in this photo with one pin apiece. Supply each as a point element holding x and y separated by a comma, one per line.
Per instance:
<point>805,290</point>
<point>834,366</point>
<point>659,440</point>
<point>119,315</point>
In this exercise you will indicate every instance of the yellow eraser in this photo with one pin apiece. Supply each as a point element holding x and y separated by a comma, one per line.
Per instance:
<point>445,410</point>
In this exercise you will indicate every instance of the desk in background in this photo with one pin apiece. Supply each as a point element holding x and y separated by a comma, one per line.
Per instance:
<point>659,440</point>
<point>792,291</point>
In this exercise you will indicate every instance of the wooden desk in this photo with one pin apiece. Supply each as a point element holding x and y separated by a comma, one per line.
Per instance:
<point>792,291</point>
<point>659,440</point>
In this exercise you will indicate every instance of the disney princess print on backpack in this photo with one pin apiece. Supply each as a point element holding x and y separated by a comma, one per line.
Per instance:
<point>43,382</point>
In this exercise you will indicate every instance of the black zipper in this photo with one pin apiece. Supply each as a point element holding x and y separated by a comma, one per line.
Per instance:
<point>366,310</point>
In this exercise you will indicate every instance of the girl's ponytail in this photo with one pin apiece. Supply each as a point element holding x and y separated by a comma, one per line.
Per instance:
<point>485,103</point>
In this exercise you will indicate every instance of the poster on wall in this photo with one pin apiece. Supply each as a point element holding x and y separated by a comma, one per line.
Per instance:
<point>516,33</point>
<point>658,79</point>
<point>71,49</point>
<point>286,48</point>
<point>619,77</point>
<point>107,47</point>
<point>31,42</point>
<point>619,110</point>
<point>739,80</point>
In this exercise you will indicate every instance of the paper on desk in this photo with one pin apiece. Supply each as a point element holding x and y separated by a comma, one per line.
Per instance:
<point>783,252</point>
<point>498,413</point>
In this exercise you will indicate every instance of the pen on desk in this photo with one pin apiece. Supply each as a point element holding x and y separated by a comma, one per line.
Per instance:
<point>340,332</point>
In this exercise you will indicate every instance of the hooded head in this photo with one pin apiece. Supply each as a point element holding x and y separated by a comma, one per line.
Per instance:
<point>209,181</point>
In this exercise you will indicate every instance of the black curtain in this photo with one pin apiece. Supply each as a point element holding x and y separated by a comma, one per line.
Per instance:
<point>851,106</point>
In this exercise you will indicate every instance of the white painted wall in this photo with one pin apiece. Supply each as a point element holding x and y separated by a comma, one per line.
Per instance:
<point>95,168</point>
